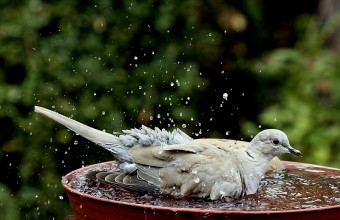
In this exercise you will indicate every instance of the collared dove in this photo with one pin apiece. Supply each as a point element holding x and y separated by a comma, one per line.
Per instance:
<point>174,163</point>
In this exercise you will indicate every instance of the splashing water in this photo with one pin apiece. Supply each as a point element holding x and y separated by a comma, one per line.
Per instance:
<point>225,96</point>
<point>299,188</point>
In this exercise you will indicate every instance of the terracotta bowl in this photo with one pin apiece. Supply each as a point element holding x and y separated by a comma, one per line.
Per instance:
<point>90,207</point>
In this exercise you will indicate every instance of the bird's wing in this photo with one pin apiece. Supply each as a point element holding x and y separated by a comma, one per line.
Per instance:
<point>164,156</point>
<point>187,169</point>
<point>124,180</point>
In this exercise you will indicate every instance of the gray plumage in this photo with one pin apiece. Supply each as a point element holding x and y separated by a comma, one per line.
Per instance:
<point>174,163</point>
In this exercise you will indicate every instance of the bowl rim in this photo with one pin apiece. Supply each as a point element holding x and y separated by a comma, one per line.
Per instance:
<point>287,164</point>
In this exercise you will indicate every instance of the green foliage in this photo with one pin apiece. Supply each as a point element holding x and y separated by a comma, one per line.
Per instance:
<point>304,98</point>
<point>119,64</point>
<point>8,205</point>
<point>109,64</point>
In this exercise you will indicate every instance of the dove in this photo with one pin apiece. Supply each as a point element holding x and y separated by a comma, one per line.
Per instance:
<point>156,160</point>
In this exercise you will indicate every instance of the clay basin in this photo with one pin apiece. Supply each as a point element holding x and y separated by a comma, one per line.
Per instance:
<point>301,191</point>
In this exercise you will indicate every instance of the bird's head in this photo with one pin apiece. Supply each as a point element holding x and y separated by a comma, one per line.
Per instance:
<point>273,142</point>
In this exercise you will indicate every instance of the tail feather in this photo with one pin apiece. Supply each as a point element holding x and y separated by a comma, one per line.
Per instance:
<point>119,144</point>
<point>103,139</point>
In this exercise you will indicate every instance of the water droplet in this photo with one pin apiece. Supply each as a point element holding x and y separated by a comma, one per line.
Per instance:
<point>103,113</point>
<point>197,180</point>
<point>61,197</point>
<point>177,82</point>
<point>225,96</point>
<point>135,57</point>
<point>75,142</point>
<point>184,125</point>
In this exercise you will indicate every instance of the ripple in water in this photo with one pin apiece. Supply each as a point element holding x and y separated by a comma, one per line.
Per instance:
<point>298,188</point>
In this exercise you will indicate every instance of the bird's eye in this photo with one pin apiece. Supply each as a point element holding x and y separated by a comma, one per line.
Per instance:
<point>275,142</point>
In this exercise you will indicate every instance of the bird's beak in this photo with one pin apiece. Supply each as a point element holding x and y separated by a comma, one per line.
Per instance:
<point>294,151</point>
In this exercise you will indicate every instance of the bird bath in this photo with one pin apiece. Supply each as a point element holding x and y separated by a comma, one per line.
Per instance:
<point>302,190</point>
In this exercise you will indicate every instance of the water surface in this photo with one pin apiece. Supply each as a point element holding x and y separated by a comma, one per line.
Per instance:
<point>301,186</point>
